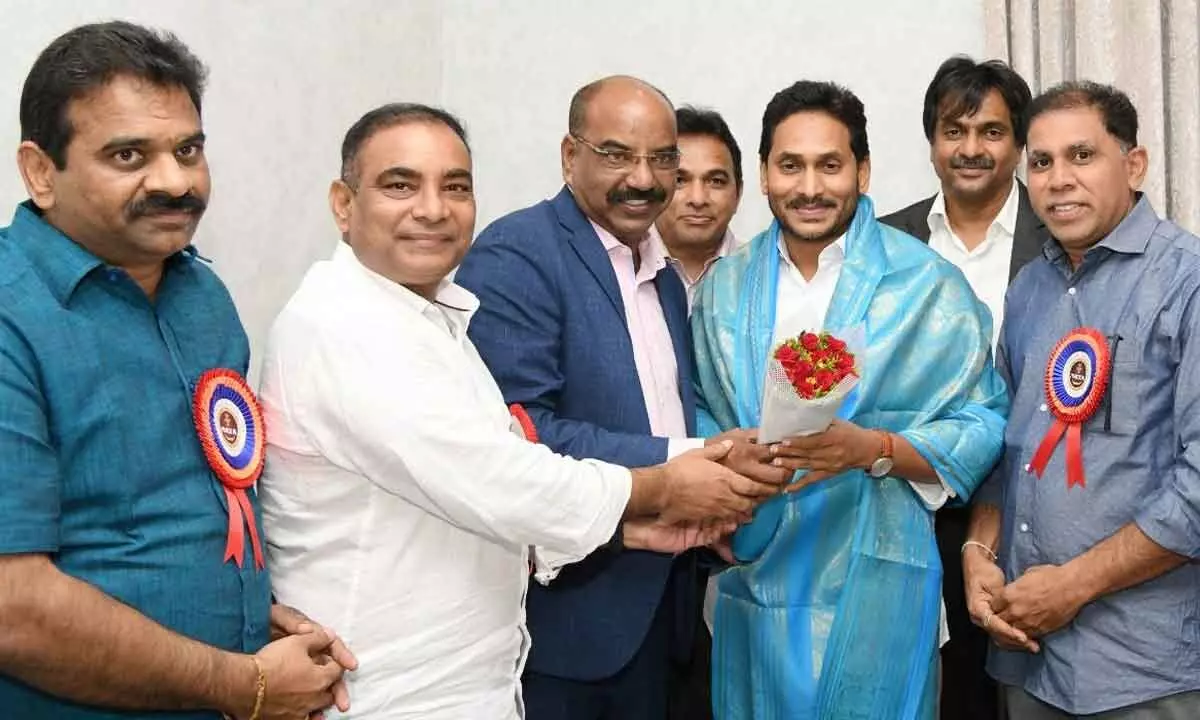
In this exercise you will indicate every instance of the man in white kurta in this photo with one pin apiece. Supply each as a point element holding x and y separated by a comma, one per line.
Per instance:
<point>400,505</point>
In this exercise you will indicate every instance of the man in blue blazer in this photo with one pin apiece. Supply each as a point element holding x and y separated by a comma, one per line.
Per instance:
<point>584,324</point>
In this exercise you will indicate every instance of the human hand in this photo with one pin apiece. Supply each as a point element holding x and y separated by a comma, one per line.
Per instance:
<point>1041,601</point>
<point>658,536</point>
<point>842,446</point>
<point>300,676</point>
<point>287,620</point>
<point>982,581</point>
<point>723,547</point>
<point>696,487</point>
<point>749,459</point>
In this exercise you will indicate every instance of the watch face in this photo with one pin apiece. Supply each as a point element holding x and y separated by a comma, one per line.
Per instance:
<point>882,466</point>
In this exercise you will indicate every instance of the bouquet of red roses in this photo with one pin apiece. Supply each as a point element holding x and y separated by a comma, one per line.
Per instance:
<point>808,377</point>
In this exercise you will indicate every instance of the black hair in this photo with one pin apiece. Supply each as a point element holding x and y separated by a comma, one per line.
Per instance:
<point>814,96</point>
<point>960,85</point>
<point>1116,109</point>
<point>697,121</point>
<point>88,57</point>
<point>384,117</point>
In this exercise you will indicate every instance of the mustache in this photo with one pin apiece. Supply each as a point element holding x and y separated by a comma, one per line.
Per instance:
<point>620,195</point>
<point>804,201</point>
<point>157,203</point>
<point>983,162</point>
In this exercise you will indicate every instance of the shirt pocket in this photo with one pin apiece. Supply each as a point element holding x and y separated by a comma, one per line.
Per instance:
<point>1121,409</point>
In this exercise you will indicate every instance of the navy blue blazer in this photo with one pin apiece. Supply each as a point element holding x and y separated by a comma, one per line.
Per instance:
<point>551,328</point>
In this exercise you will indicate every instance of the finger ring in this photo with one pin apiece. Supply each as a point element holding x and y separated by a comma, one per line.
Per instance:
<point>988,620</point>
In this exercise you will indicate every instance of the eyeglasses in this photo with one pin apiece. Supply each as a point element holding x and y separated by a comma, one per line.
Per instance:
<point>620,159</point>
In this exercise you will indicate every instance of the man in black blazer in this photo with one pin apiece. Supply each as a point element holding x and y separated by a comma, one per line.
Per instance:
<point>981,220</point>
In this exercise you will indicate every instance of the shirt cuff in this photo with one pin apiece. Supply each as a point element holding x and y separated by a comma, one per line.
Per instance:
<point>934,495</point>
<point>678,446</point>
<point>548,563</point>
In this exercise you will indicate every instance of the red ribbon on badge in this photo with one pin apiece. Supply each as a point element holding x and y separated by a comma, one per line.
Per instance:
<point>229,424</point>
<point>526,422</point>
<point>1076,378</point>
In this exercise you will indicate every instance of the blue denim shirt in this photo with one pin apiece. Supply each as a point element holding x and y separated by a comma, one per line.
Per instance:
<point>1141,454</point>
<point>100,466</point>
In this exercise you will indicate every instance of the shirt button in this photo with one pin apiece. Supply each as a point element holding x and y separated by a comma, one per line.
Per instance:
<point>1027,467</point>
<point>1024,527</point>
<point>1070,291</point>
<point>1042,407</point>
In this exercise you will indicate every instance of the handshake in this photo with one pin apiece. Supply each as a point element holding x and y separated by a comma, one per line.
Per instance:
<point>701,496</point>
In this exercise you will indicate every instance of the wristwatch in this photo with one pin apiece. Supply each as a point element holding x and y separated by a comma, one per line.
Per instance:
<point>883,464</point>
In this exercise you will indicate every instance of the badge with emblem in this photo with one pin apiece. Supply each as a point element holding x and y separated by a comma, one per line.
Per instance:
<point>1076,378</point>
<point>229,424</point>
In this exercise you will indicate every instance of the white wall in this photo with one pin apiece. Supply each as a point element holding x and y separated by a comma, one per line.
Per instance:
<point>510,69</point>
<point>287,79</point>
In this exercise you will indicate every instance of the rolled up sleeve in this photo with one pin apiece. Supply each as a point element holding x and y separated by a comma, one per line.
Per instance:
<point>1171,515</point>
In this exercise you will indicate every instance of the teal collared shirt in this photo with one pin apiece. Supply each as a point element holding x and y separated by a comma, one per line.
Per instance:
<point>100,466</point>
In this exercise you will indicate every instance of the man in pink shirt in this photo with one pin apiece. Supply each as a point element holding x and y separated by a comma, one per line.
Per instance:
<point>694,229</point>
<point>583,323</point>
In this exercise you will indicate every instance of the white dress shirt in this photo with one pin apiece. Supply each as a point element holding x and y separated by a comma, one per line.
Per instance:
<point>802,305</point>
<point>653,349</point>
<point>986,266</point>
<point>398,503</point>
<point>692,284</point>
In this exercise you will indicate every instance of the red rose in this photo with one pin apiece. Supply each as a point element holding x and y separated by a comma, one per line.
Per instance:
<point>786,355</point>
<point>825,380</point>
<point>835,345</point>
<point>804,369</point>
<point>845,362</point>
<point>809,341</point>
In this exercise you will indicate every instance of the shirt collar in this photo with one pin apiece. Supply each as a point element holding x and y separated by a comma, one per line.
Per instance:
<point>60,261</point>
<point>728,243</point>
<point>833,254</point>
<point>652,255</point>
<point>1006,218</point>
<point>1130,237</point>
<point>454,303</point>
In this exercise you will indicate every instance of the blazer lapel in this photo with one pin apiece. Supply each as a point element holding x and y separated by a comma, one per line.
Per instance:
<point>1031,234</point>
<point>918,220</point>
<point>586,244</point>
<point>673,298</point>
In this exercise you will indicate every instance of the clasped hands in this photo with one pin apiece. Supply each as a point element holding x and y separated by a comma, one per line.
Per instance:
<point>1044,599</point>
<point>713,490</point>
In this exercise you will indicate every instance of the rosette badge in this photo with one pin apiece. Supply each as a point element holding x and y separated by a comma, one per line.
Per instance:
<point>1076,379</point>
<point>229,424</point>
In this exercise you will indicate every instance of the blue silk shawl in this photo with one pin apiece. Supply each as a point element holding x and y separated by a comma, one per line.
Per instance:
<point>834,613</point>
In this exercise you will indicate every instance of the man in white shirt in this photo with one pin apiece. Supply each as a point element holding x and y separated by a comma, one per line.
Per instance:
<point>398,499</point>
<point>835,609</point>
<point>694,228</point>
<point>694,233</point>
<point>981,220</point>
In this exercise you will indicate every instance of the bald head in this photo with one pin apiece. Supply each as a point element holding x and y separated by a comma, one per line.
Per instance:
<point>613,91</point>
<point>620,155</point>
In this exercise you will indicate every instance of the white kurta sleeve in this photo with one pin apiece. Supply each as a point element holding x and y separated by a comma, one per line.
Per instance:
<point>407,415</point>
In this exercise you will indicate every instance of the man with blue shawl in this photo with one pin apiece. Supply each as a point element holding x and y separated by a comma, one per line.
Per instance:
<point>834,610</point>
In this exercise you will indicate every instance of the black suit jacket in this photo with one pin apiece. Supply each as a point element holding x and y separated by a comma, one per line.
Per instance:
<point>1030,232</point>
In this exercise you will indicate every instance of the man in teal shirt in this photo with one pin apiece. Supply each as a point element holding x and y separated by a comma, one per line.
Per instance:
<point>118,598</point>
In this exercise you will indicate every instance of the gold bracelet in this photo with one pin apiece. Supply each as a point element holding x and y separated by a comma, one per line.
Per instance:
<point>260,689</point>
<point>980,545</point>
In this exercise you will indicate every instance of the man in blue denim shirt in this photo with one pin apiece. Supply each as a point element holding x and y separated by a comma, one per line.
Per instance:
<point>113,588</point>
<point>1094,601</point>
